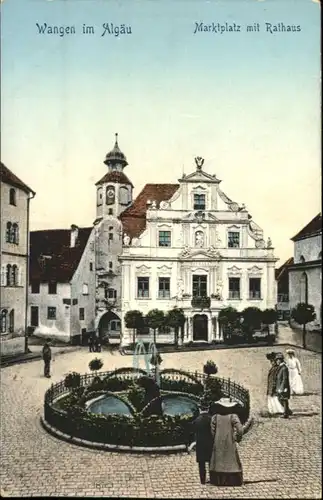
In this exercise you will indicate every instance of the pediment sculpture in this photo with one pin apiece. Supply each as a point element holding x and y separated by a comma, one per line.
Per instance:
<point>186,252</point>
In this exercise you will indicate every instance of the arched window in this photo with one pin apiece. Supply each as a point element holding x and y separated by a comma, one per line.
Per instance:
<point>304,288</point>
<point>85,289</point>
<point>8,232</point>
<point>12,321</point>
<point>15,273</point>
<point>8,277</point>
<point>3,321</point>
<point>124,197</point>
<point>12,196</point>
<point>99,200</point>
<point>15,234</point>
<point>302,258</point>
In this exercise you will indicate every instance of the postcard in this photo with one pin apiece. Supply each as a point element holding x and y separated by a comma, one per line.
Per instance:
<point>161,248</point>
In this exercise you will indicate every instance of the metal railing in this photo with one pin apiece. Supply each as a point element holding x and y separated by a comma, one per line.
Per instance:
<point>228,388</point>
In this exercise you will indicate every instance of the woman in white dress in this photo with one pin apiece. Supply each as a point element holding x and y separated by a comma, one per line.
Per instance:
<point>274,406</point>
<point>294,370</point>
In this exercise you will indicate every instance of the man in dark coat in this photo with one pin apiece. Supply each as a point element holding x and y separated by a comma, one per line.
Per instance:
<point>47,356</point>
<point>204,440</point>
<point>282,384</point>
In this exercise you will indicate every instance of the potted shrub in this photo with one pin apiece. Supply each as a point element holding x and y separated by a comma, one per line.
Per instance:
<point>210,368</point>
<point>95,365</point>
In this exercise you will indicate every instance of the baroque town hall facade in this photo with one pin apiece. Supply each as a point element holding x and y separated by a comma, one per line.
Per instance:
<point>174,245</point>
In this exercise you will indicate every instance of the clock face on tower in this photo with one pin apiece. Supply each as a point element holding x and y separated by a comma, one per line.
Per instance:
<point>110,195</point>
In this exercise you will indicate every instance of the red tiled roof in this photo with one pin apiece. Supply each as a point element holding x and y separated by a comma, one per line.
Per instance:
<point>134,218</point>
<point>55,243</point>
<point>10,178</point>
<point>282,269</point>
<point>115,176</point>
<point>313,227</point>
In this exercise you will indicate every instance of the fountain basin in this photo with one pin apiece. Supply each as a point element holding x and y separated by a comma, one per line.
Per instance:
<point>108,405</point>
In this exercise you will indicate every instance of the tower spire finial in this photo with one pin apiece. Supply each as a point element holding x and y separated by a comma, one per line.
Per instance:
<point>116,134</point>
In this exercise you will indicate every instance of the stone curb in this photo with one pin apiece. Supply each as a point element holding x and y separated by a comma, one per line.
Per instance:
<point>34,356</point>
<point>122,448</point>
<point>223,347</point>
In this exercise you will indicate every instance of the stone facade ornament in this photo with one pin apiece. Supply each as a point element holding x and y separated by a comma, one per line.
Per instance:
<point>136,242</point>
<point>260,243</point>
<point>180,289</point>
<point>199,162</point>
<point>164,205</point>
<point>269,243</point>
<point>153,205</point>
<point>213,252</point>
<point>126,240</point>
<point>186,251</point>
<point>199,239</point>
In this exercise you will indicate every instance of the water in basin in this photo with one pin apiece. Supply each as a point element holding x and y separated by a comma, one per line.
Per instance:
<point>179,405</point>
<point>108,405</point>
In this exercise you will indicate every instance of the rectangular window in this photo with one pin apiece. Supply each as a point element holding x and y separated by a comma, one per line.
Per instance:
<point>110,266</point>
<point>142,287</point>
<point>199,285</point>
<point>34,316</point>
<point>164,239</point>
<point>233,239</point>
<point>51,312</point>
<point>81,313</point>
<point>52,288</point>
<point>91,266</point>
<point>111,293</point>
<point>164,288</point>
<point>234,288</point>
<point>35,287</point>
<point>254,288</point>
<point>110,236</point>
<point>199,201</point>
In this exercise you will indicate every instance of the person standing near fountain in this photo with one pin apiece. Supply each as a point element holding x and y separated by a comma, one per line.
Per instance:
<point>225,464</point>
<point>47,356</point>
<point>204,440</point>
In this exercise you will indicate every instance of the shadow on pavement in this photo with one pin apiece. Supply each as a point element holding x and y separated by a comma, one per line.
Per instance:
<point>261,481</point>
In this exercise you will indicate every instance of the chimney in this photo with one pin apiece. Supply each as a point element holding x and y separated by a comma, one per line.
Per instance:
<point>74,235</point>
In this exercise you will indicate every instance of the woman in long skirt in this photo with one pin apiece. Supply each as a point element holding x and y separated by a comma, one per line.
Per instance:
<point>294,370</point>
<point>274,405</point>
<point>225,464</point>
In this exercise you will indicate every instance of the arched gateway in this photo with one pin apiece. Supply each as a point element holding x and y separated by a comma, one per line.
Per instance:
<point>200,327</point>
<point>109,325</point>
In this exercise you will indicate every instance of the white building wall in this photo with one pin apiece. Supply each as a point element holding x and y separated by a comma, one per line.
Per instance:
<point>213,258</point>
<point>59,328</point>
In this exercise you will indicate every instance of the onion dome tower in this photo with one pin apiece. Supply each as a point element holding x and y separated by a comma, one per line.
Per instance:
<point>114,190</point>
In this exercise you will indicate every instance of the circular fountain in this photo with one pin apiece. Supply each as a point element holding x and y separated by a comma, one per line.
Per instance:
<point>135,407</point>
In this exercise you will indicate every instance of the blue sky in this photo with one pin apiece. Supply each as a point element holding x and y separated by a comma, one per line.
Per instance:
<point>249,103</point>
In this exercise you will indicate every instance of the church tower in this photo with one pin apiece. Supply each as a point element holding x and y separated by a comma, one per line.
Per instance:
<point>113,196</point>
<point>114,190</point>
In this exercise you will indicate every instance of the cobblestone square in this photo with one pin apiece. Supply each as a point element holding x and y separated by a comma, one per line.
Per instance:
<point>281,458</point>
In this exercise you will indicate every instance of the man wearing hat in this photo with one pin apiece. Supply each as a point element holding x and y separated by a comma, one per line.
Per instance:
<point>204,439</point>
<point>282,384</point>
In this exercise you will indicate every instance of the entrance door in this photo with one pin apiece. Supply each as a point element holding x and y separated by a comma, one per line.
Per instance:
<point>34,316</point>
<point>200,324</point>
